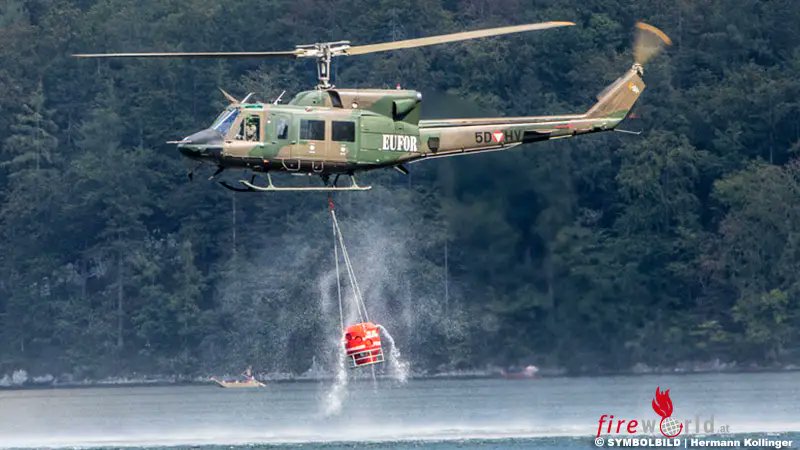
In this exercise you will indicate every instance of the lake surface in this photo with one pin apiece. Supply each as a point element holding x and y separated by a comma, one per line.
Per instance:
<point>444,414</point>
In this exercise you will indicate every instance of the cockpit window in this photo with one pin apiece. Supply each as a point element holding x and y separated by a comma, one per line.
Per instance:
<point>282,128</point>
<point>220,116</point>
<point>250,129</point>
<point>225,121</point>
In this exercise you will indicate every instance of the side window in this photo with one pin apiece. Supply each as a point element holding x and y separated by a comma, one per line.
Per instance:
<point>282,128</point>
<point>250,129</point>
<point>312,130</point>
<point>344,131</point>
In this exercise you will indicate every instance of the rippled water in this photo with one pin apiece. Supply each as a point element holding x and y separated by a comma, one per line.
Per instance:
<point>545,413</point>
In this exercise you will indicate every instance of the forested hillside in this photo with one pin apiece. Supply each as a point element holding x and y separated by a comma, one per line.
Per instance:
<point>593,254</point>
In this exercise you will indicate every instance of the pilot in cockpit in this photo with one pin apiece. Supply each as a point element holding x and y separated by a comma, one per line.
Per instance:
<point>251,129</point>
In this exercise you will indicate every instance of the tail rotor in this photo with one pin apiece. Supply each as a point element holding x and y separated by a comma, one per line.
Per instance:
<point>616,100</point>
<point>648,42</point>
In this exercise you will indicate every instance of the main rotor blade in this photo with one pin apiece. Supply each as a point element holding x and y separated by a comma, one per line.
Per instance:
<point>200,55</point>
<point>454,37</point>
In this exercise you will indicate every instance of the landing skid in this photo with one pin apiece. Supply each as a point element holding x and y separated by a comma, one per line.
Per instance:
<point>250,186</point>
<point>234,188</point>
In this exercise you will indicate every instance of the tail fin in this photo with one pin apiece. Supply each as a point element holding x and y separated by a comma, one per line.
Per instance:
<point>618,98</point>
<point>616,101</point>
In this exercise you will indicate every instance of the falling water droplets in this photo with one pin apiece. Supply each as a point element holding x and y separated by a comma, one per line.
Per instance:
<point>398,368</point>
<point>334,399</point>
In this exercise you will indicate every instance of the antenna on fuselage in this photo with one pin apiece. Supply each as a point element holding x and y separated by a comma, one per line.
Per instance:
<point>247,97</point>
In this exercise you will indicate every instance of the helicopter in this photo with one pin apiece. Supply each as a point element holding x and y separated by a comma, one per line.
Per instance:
<point>330,131</point>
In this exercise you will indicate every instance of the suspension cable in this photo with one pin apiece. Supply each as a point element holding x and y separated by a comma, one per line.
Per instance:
<point>356,287</point>
<point>359,299</point>
<point>336,258</point>
<point>361,307</point>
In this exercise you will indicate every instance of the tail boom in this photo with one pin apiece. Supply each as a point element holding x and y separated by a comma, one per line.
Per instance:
<point>450,137</point>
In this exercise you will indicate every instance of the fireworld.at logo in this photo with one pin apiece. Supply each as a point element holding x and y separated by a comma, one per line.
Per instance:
<point>668,426</point>
<point>662,405</point>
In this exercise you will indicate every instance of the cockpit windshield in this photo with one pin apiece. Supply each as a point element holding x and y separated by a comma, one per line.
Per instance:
<point>225,120</point>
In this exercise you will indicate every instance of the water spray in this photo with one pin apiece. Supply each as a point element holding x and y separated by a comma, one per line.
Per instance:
<point>398,367</point>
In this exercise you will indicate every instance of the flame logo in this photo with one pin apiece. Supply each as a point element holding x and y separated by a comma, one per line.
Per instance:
<point>662,404</point>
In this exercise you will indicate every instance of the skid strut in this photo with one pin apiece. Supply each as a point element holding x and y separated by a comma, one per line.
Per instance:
<point>250,186</point>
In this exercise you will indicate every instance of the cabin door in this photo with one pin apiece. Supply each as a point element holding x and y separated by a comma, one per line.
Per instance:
<point>344,142</point>
<point>313,138</point>
<point>281,135</point>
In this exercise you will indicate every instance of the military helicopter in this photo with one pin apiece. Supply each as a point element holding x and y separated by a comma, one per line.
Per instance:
<point>332,131</point>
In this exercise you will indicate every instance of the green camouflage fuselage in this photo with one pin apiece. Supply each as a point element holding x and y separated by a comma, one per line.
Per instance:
<point>338,131</point>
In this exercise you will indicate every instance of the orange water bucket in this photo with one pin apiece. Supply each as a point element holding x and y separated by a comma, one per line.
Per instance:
<point>362,344</point>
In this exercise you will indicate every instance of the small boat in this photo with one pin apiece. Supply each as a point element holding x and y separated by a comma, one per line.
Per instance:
<point>246,381</point>
<point>515,373</point>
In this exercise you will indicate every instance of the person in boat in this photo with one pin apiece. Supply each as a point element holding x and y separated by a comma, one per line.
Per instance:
<point>248,374</point>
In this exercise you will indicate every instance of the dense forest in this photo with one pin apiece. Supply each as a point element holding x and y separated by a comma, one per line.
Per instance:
<point>600,253</point>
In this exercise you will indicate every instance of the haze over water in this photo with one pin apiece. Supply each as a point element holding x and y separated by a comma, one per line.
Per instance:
<point>553,412</point>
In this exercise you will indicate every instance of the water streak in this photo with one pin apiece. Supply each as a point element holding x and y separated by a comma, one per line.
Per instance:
<point>334,399</point>
<point>398,367</point>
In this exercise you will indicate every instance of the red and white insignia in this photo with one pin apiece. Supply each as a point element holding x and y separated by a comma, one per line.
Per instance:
<point>498,136</point>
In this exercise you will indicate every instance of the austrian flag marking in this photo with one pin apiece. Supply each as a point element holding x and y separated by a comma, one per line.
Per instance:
<point>498,136</point>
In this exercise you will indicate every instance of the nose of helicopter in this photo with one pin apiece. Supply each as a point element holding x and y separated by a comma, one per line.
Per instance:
<point>205,144</point>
